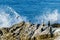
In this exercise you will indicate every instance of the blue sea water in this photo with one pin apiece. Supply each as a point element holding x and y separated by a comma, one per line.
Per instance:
<point>32,8</point>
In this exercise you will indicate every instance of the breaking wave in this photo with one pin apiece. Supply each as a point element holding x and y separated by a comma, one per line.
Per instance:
<point>53,17</point>
<point>8,16</point>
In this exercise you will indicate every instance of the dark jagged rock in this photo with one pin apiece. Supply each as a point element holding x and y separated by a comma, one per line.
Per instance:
<point>1,33</point>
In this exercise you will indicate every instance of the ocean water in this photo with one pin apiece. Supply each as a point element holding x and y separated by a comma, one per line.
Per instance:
<point>35,11</point>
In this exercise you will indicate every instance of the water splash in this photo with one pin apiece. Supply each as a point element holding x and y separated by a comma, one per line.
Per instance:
<point>49,16</point>
<point>8,17</point>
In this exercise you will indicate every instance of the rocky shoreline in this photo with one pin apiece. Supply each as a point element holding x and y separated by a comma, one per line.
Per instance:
<point>28,31</point>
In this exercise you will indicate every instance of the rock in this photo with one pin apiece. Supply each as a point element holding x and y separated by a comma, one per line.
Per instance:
<point>28,31</point>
